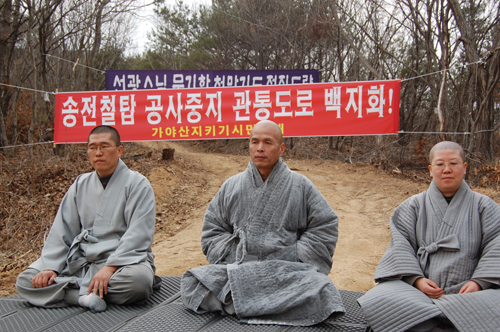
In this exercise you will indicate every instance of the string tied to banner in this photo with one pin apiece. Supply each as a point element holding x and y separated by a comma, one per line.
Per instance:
<point>24,145</point>
<point>76,63</point>
<point>458,65</point>
<point>46,93</point>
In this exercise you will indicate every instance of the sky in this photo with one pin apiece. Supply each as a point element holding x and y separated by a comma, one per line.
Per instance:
<point>146,18</point>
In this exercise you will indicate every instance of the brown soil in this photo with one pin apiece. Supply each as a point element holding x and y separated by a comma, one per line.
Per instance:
<point>363,197</point>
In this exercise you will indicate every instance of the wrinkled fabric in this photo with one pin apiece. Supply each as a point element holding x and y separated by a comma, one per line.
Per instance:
<point>270,244</point>
<point>448,244</point>
<point>96,227</point>
<point>130,284</point>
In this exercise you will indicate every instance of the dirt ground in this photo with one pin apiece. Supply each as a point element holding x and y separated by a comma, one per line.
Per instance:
<point>362,196</point>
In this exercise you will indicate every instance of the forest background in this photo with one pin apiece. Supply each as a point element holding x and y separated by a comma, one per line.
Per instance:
<point>446,53</point>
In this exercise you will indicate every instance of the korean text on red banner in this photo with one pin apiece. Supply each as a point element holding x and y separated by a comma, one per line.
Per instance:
<point>324,109</point>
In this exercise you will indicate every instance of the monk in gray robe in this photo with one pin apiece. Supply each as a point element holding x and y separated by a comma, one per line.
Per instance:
<point>269,236</point>
<point>99,247</point>
<point>441,270</point>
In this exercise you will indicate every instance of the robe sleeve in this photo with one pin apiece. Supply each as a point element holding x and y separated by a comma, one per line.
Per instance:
<point>139,214</point>
<point>217,233</point>
<point>400,259</point>
<point>316,244</point>
<point>65,228</point>
<point>488,269</point>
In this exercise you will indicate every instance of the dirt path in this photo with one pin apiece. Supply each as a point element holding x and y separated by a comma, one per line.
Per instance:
<point>362,196</point>
<point>178,253</point>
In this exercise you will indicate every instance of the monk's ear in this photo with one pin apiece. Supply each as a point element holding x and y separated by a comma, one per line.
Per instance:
<point>282,149</point>
<point>120,151</point>
<point>465,168</point>
<point>430,170</point>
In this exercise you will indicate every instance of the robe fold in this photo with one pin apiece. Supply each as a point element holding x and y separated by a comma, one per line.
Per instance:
<point>96,227</point>
<point>270,245</point>
<point>448,244</point>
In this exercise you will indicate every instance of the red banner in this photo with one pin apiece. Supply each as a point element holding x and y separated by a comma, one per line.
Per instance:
<point>325,109</point>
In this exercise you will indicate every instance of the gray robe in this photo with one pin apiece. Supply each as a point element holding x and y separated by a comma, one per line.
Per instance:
<point>448,244</point>
<point>270,246</point>
<point>96,227</point>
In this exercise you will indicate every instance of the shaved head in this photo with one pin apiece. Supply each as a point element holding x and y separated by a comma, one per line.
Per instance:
<point>115,136</point>
<point>266,146</point>
<point>446,145</point>
<point>271,126</point>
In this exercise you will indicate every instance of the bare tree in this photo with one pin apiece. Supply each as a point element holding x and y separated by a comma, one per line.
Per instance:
<point>486,69</point>
<point>11,25</point>
<point>42,44</point>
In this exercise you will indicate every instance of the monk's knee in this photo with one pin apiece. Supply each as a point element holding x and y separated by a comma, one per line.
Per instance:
<point>131,284</point>
<point>23,280</point>
<point>141,285</point>
<point>140,293</point>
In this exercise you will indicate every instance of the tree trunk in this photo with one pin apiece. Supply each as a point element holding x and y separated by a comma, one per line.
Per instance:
<point>168,154</point>
<point>487,78</point>
<point>14,118</point>
<point>5,47</point>
<point>31,47</point>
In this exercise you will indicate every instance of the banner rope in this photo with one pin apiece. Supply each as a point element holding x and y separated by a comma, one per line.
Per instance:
<point>29,144</point>
<point>76,63</point>
<point>444,132</point>
<point>443,70</point>
<point>22,88</point>
<point>399,132</point>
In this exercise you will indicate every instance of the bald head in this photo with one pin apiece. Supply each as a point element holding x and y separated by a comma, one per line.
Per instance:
<point>266,146</point>
<point>446,145</point>
<point>270,127</point>
<point>103,129</point>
